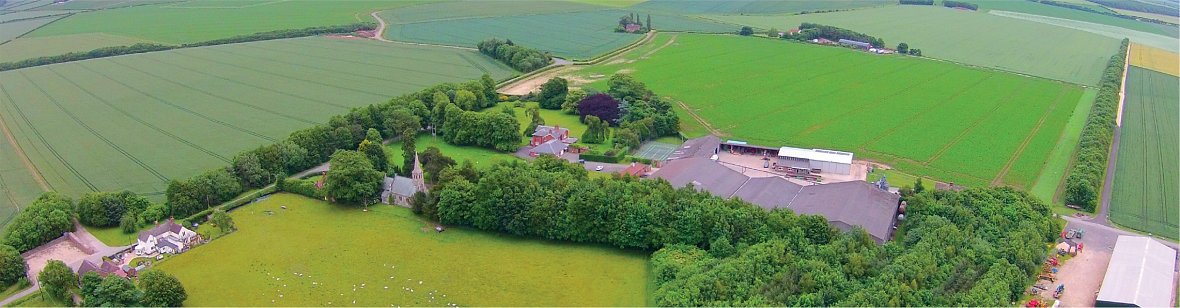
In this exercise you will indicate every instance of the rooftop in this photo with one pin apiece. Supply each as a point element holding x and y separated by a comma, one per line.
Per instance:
<point>555,131</point>
<point>554,147</point>
<point>817,154</point>
<point>1140,273</point>
<point>400,185</point>
<point>699,147</point>
<point>167,226</point>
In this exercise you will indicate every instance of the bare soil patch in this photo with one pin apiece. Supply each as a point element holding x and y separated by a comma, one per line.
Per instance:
<point>60,249</point>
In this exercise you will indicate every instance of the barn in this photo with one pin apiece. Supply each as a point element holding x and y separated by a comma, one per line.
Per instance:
<point>1140,274</point>
<point>816,160</point>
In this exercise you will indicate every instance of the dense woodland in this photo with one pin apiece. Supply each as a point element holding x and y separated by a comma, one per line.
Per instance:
<point>149,47</point>
<point>810,31</point>
<point>976,247</point>
<point>521,58</point>
<point>1089,168</point>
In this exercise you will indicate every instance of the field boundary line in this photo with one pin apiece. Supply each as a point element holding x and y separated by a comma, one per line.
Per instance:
<point>698,118</point>
<point>1028,139</point>
<point>1007,99</point>
<point>24,158</point>
<point>216,95</point>
<point>94,131</point>
<point>46,142</point>
<point>186,110</point>
<point>137,119</point>
<point>1104,192</point>
<point>908,160</point>
<point>914,117</point>
<point>424,72</point>
<point>287,77</point>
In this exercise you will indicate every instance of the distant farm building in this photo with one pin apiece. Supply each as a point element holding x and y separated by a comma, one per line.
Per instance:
<point>855,44</point>
<point>399,189</point>
<point>1140,274</point>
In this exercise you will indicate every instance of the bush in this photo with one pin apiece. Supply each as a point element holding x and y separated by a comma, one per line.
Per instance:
<point>161,289</point>
<point>12,266</point>
<point>960,4</point>
<point>58,280</point>
<point>521,58</point>
<point>107,209</point>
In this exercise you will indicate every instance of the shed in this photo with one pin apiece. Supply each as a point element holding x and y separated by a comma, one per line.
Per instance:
<point>824,160</point>
<point>1140,274</point>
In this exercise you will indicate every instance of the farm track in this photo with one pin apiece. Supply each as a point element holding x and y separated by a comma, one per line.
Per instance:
<point>285,76</point>
<point>861,109</point>
<point>698,118</point>
<point>95,132</point>
<point>244,104</point>
<point>137,119</point>
<point>380,35</point>
<point>999,179</point>
<point>181,108</point>
<point>45,142</point>
<point>916,116</point>
<point>264,89</point>
<point>918,163</point>
<point>962,135</point>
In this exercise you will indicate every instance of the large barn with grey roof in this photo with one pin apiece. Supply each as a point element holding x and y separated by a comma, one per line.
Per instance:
<point>844,204</point>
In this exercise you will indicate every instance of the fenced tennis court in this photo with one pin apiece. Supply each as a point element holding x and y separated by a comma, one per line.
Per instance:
<point>655,150</point>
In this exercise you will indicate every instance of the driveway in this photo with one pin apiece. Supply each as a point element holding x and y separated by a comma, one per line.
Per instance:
<point>1083,274</point>
<point>83,246</point>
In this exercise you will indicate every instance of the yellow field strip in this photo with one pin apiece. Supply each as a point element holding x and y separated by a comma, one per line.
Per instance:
<point>1155,59</point>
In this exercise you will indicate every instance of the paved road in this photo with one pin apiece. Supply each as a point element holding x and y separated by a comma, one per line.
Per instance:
<point>1108,184</point>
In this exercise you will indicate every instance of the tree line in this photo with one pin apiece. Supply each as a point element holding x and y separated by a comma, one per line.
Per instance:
<point>155,288</point>
<point>810,31</point>
<point>1139,7</point>
<point>521,58</point>
<point>916,2</point>
<point>960,4</point>
<point>1089,169</point>
<point>978,247</point>
<point>150,47</point>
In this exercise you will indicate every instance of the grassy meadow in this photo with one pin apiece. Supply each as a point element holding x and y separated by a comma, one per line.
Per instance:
<point>123,122</point>
<point>754,6</point>
<point>929,118</point>
<point>1050,183</point>
<point>319,254</point>
<point>1146,192</point>
<point>480,157</point>
<point>974,38</point>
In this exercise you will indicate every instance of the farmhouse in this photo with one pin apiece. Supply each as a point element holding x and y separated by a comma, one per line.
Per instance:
<point>545,133</point>
<point>636,170</point>
<point>168,237</point>
<point>855,44</point>
<point>1140,274</point>
<point>845,204</point>
<point>551,147</point>
<point>399,189</point>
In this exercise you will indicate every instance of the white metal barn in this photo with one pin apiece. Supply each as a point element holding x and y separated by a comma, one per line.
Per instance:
<point>826,161</point>
<point>1140,274</point>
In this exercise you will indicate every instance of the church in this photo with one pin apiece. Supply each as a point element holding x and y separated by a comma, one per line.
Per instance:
<point>399,189</point>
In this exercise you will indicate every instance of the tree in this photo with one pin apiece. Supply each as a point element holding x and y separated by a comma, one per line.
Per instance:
<point>572,99</point>
<point>161,289</point>
<point>222,220</point>
<point>112,291</point>
<point>602,106</point>
<point>466,100</point>
<point>596,132</point>
<point>50,215</point>
<point>1080,192</point>
<point>916,52</point>
<point>249,169</point>
<point>773,32</point>
<point>746,31</point>
<point>489,87</point>
<point>58,280</point>
<point>626,138</point>
<point>153,213</point>
<point>535,115</point>
<point>433,162</point>
<point>918,187</point>
<point>129,223</point>
<point>12,266</point>
<point>553,93</point>
<point>375,152</point>
<point>352,179</point>
<point>903,48</point>
<point>649,28</point>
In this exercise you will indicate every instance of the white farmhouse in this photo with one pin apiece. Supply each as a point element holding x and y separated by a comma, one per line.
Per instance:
<point>168,237</point>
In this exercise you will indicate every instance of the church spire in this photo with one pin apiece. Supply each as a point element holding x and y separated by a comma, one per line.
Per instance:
<point>416,175</point>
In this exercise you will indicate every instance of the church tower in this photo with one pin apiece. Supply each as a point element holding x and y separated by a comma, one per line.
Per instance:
<point>416,175</point>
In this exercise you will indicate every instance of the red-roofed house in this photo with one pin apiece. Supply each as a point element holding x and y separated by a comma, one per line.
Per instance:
<point>544,134</point>
<point>636,170</point>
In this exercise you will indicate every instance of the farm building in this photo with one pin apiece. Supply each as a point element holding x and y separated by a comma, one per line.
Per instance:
<point>1140,274</point>
<point>551,147</point>
<point>855,44</point>
<point>168,237</point>
<point>844,204</point>
<point>545,133</point>
<point>818,160</point>
<point>705,147</point>
<point>636,170</point>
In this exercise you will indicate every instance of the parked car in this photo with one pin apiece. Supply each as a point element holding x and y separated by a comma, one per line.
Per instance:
<point>599,168</point>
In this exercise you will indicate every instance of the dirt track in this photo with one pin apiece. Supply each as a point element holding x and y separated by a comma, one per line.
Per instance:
<point>24,159</point>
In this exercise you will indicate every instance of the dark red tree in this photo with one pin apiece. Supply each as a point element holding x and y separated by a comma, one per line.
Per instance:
<point>602,106</point>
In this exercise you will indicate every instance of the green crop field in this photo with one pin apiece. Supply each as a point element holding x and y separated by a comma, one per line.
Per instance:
<point>317,254</point>
<point>1049,183</point>
<point>929,118</point>
<point>17,185</point>
<point>1113,32</point>
<point>580,35</point>
<point>25,48</point>
<point>14,29</point>
<point>123,122</point>
<point>477,9</point>
<point>974,38</point>
<point>1146,192</point>
<point>754,6</point>
<point>1029,7</point>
